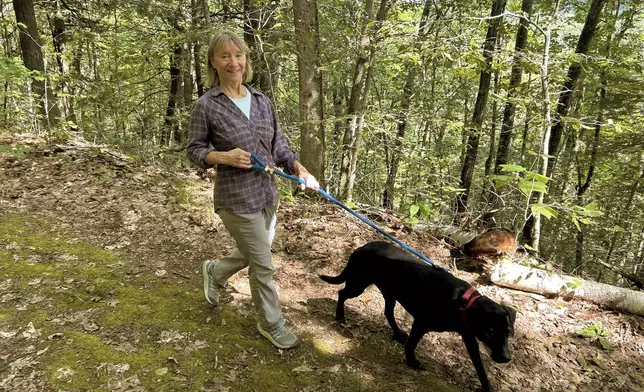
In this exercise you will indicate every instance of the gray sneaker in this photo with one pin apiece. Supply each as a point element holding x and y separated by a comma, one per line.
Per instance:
<point>281,337</point>
<point>210,286</point>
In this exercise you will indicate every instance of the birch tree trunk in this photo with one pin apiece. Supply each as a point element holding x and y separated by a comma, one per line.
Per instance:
<point>515,276</point>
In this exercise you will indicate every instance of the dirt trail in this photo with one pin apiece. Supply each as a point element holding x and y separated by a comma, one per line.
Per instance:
<point>100,289</point>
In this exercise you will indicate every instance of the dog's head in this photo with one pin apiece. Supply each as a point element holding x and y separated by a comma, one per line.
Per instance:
<point>493,324</point>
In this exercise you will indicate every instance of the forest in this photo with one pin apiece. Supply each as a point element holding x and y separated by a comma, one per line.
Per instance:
<point>519,114</point>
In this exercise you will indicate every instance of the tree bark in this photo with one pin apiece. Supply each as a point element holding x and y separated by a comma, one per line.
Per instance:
<point>509,110</point>
<point>60,35</point>
<point>574,71</point>
<point>171,130</point>
<point>519,277</point>
<point>32,57</point>
<point>312,139</point>
<point>259,21</point>
<point>360,86</point>
<point>472,146</point>
<point>403,111</point>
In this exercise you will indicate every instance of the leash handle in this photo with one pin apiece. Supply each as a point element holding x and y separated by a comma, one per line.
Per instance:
<point>258,164</point>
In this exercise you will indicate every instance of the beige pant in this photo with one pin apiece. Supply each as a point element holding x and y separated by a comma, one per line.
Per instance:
<point>253,234</point>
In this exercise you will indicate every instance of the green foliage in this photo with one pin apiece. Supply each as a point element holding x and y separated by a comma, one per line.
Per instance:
<point>596,331</point>
<point>585,214</point>
<point>16,151</point>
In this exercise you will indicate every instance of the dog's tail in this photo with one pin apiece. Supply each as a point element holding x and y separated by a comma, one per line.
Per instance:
<point>334,279</point>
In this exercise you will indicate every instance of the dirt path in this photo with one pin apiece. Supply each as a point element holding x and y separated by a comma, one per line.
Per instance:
<point>100,289</point>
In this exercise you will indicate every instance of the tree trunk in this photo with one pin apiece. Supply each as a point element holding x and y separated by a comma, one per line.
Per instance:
<point>196,47</point>
<point>336,148</point>
<point>515,276</point>
<point>60,35</point>
<point>495,113</point>
<point>403,111</point>
<point>574,71</point>
<point>170,130</point>
<point>627,208</point>
<point>472,146</point>
<point>312,142</point>
<point>32,57</point>
<point>259,21</point>
<point>509,111</point>
<point>531,233</point>
<point>360,86</point>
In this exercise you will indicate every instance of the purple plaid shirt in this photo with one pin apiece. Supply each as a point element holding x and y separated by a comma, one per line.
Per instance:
<point>217,124</point>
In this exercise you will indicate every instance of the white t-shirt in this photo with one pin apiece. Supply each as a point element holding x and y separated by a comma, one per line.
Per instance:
<point>243,103</point>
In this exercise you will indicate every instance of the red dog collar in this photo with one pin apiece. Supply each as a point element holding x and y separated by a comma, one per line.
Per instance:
<point>468,298</point>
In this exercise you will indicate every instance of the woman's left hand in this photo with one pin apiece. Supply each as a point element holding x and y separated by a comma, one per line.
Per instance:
<point>311,182</point>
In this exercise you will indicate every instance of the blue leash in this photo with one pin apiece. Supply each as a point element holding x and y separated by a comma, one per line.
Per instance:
<point>258,164</point>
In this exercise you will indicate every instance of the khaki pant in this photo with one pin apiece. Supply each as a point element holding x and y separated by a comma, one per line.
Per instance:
<point>253,234</point>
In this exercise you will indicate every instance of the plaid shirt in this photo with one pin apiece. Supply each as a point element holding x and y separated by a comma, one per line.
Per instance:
<point>217,124</point>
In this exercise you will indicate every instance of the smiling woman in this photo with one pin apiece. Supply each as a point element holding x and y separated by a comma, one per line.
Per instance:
<point>229,64</point>
<point>228,123</point>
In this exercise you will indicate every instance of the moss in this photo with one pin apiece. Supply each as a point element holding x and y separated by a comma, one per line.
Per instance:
<point>88,357</point>
<point>15,151</point>
<point>32,232</point>
<point>68,276</point>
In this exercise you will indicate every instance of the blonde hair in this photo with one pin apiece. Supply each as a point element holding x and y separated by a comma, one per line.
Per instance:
<point>220,39</point>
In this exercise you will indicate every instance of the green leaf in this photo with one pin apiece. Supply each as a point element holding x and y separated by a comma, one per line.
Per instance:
<point>413,209</point>
<point>542,209</point>
<point>589,331</point>
<point>527,187</point>
<point>512,168</point>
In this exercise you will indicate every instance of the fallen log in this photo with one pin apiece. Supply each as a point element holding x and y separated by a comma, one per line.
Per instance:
<point>508,274</point>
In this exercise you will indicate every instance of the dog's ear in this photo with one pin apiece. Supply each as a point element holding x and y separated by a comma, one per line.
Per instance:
<point>513,314</point>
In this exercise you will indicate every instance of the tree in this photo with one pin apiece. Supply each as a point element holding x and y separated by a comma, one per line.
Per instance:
<point>312,138</point>
<point>509,110</point>
<point>171,123</point>
<point>259,23</point>
<point>32,57</point>
<point>467,169</point>
<point>362,76</point>
<point>403,111</point>
<point>574,71</point>
<point>60,34</point>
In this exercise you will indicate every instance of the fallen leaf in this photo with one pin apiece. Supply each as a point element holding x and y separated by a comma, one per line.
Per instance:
<point>599,363</point>
<point>581,361</point>
<point>161,371</point>
<point>303,368</point>
<point>333,369</point>
<point>30,332</point>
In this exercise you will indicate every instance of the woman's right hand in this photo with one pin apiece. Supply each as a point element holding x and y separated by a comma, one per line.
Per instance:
<point>238,158</point>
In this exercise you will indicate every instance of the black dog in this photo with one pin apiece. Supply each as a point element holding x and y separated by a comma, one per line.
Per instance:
<point>437,300</point>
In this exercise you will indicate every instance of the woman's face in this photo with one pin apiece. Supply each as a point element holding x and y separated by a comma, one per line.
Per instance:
<point>230,63</point>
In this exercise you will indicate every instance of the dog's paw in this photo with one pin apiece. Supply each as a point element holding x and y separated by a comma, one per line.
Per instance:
<point>400,337</point>
<point>415,364</point>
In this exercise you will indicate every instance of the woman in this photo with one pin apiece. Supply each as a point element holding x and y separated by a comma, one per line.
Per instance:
<point>229,122</point>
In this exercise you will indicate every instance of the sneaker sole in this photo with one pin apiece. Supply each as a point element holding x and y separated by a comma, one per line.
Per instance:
<point>270,339</point>
<point>206,281</point>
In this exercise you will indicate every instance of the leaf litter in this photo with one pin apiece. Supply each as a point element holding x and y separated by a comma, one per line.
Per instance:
<point>104,198</point>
